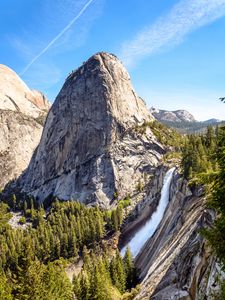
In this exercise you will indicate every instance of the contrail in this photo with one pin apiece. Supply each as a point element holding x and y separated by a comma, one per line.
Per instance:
<point>57,37</point>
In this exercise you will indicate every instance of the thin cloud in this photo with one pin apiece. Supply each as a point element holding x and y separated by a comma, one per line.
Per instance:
<point>57,37</point>
<point>184,18</point>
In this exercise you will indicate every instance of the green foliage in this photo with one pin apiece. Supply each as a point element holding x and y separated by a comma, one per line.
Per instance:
<point>132,294</point>
<point>63,232</point>
<point>115,195</point>
<point>29,278</point>
<point>130,270</point>
<point>216,234</point>
<point>68,229</point>
<point>198,156</point>
<point>5,289</point>
<point>124,203</point>
<point>166,136</point>
<point>22,220</point>
<point>191,127</point>
<point>114,217</point>
<point>104,277</point>
<point>117,272</point>
<point>4,215</point>
<point>39,281</point>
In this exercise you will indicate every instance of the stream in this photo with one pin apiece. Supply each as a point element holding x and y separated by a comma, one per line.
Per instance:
<point>149,228</point>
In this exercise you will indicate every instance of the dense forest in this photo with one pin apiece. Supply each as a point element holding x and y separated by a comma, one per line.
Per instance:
<point>192,127</point>
<point>33,260</point>
<point>216,235</point>
<point>203,162</point>
<point>198,154</point>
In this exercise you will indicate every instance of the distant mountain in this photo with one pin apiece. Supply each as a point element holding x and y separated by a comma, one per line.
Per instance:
<point>212,121</point>
<point>176,116</point>
<point>183,121</point>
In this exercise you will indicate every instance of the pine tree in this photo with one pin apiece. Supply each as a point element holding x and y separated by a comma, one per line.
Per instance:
<point>57,285</point>
<point>85,288</point>
<point>5,288</point>
<point>118,273</point>
<point>77,287</point>
<point>130,270</point>
<point>216,235</point>
<point>99,286</point>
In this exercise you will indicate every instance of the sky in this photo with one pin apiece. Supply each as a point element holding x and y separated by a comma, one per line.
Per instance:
<point>174,50</point>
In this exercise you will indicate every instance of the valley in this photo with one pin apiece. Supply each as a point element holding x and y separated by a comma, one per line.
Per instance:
<point>101,198</point>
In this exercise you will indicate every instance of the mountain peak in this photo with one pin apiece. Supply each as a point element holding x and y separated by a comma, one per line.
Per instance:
<point>22,112</point>
<point>176,116</point>
<point>103,74</point>
<point>89,146</point>
<point>16,96</point>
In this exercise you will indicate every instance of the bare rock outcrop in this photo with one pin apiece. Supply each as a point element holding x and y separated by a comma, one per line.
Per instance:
<point>90,149</point>
<point>175,262</point>
<point>176,116</point>
<point>39,100</point>
<point>16,96</point>
<point>20,128</point>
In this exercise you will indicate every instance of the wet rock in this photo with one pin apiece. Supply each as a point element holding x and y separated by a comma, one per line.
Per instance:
<point>174,262</point>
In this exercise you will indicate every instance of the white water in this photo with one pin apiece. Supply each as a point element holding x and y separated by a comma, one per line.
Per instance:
<point>149,228</point>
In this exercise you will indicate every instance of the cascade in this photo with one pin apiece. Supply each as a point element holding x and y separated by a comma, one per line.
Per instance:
<point>149,228</point>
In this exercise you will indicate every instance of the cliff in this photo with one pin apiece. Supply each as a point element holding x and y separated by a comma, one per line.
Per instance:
<point>176,263</point>
<point>90,149</point>
<point>20,124</point>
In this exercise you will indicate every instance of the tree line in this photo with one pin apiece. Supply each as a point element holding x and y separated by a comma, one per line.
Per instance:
<point>33,260</point>
<point>198,153</point>
<point>216,234</point>
<point>102,278</point>
<point>203,161</point>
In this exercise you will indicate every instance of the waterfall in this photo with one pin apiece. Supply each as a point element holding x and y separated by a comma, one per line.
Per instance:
<point>149,228</point>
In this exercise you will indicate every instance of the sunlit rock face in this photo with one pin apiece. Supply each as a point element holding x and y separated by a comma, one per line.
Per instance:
<point>20,126</point>
<point>176,116</point>
<point>176,262</point>
<point>90,147</point>
<point>16,96</point>
<point>40,101</point>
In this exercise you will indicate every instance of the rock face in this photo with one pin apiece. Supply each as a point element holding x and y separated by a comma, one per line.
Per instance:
<point>175,263</point>
<point>40,101</point>
<point>20,128</point>
<point>177,116</point>
<point>16,96</point>
<point>145,206</point>
<point>90,148</point>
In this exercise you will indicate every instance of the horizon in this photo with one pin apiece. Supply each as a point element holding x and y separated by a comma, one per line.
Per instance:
<point>173,51</point>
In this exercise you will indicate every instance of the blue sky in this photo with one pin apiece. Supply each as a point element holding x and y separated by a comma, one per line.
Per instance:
<point>174,50</point>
